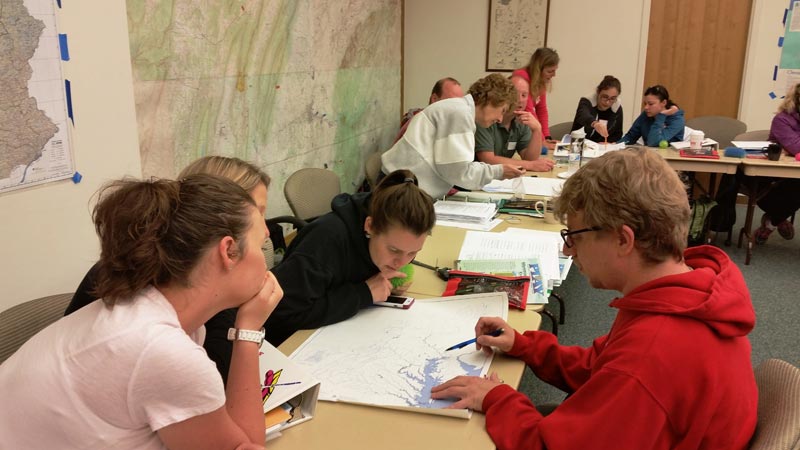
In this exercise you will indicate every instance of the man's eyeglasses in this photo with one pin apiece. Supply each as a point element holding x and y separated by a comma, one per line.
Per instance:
<point>606,98</point>
<point>566,234</point>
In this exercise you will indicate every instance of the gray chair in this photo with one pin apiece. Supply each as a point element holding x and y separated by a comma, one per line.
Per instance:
<point>309,192</point>
<point>20,322</point>
<point>778,426</point>
<point>719,128</point>
<point>373,169</point>
<point>558,130</point>
<point>755,135</point>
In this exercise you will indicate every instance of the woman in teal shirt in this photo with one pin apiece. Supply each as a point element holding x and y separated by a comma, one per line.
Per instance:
<point>660,120</point>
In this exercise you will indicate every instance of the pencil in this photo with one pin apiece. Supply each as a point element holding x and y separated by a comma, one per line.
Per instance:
<point>494,333</point>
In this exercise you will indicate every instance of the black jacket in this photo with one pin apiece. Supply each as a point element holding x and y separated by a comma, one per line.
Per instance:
<point>586,113</point>
<point>325,270</point>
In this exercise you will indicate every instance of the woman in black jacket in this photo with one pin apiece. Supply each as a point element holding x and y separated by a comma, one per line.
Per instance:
<point>344,260</point>
<point>600,114</point>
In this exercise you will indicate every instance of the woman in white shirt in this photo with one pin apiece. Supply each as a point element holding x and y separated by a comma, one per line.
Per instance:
<point>130,372</point>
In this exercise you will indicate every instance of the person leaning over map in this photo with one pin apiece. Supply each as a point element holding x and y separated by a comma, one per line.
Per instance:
<point>344,261</point>
<point>674,372</point>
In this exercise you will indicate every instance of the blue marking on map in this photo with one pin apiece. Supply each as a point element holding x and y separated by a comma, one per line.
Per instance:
<point>429,380</point>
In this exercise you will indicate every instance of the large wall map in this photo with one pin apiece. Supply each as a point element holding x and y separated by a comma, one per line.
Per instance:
<point>285,84</point>
<point>34,143</point>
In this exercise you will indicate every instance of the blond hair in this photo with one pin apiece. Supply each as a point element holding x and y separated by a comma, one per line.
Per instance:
<point>243,173</point>
<point>792,100</point>
<point>633,187</point>
<point>541,58</point>
<point>494,90</point>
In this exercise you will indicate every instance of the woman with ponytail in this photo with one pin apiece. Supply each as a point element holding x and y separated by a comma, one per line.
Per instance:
<point>346,259</point>
<point>129,372</point>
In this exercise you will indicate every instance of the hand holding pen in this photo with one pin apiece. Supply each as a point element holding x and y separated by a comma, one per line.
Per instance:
<point>486,339</point>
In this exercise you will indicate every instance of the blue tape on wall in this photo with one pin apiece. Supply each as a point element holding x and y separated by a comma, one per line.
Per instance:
<point>772,95</point>
<point>68,91</point>
<point>58,2</point>
<point>62,44</point>
<point>775,74</point>
<point>780,41</point>
<point>785,12</point>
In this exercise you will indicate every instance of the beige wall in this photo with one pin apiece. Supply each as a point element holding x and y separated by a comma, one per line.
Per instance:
<point>47,237</point>
<point>448,37</point>
<point>756,109</point>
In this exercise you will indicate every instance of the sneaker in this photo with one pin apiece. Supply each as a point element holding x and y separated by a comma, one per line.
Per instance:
<point>762,233</point>
<point>786,229</point>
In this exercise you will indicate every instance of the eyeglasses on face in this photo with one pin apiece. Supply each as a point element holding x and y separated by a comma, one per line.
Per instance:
<point>607,98</point>
<point>566,235</point>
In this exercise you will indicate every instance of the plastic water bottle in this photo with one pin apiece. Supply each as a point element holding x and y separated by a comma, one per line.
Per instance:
<point>576,150</point>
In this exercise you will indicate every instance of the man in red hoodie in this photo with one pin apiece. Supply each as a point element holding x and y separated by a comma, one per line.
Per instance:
<point>674,371</point>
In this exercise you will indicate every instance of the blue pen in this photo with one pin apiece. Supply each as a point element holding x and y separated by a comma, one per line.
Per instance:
<point>494,333</point>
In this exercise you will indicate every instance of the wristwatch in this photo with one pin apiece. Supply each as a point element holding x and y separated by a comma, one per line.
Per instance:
<point>246,335</point>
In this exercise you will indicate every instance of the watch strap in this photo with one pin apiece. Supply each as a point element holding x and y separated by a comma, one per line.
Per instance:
<point>235,334</point>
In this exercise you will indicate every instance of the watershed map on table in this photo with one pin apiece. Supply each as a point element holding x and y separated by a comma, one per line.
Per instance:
<point>392,357</point>
<point>34,141</point>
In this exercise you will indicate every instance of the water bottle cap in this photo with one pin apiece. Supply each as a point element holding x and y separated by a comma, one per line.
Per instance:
<point>577,134</point>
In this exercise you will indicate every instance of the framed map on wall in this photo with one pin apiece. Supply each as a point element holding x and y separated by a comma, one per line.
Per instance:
<point>516,29</point>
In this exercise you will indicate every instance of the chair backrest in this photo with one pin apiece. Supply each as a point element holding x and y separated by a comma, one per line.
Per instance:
<point>778,426</point>
<point>755,135</point>
<point>558,130</point>
<point>373,168</point>
<point>309,192</point>
<point>20,322</point>
<point>719,128</point>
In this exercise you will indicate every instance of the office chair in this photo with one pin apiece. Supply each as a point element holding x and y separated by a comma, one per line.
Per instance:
<point>19,323</point>
<point>778,425</point>
<point>719,128</point>
<point>558,130</point>
<point>755,135</point>
<point>309,192</point>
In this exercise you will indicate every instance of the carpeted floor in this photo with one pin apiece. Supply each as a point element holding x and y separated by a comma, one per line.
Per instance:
<point>772,277</point>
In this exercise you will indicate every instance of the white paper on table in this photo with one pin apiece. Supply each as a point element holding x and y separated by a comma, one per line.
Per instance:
<point>680,145</point>
<point>553,237</point>
<point>752,145</point>
<point>469,226</point>
<point>593,149</point>
<point>482,245</point>
<point>542,187</point>
<point>500,186</point>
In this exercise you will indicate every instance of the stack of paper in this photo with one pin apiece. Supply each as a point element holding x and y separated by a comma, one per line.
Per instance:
<point>540,247</point>
<point>466,214</point>
<point>707,142</point>
<point>751,145</point>
<point>593,149</point>
<point>542,187</point>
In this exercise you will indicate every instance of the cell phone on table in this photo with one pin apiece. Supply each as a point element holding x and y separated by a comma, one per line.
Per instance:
<point>397,301</point>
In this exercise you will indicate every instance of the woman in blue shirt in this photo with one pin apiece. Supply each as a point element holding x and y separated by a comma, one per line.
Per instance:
<point>660,120</point>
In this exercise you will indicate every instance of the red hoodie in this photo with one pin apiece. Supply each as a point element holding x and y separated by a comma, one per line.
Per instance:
<point>674,372</point>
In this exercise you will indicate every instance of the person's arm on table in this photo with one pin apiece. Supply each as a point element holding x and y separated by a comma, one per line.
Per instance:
<point>533,144</point>
<point>668,125</point>
<point>635,132</point>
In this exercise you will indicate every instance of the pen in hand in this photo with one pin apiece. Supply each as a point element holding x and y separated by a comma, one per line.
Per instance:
<point>494,333</point>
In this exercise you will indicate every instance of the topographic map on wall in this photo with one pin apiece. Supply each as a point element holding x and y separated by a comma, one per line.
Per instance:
<point>392,357</point>
<point>516,29</point>
<point>285,84</point>
<point>34,141</point>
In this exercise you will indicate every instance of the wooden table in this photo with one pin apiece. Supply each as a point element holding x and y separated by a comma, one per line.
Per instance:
<point>348,426</point>
<point>758,180</point>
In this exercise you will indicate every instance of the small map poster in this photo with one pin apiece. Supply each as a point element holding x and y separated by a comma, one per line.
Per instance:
<point>516,29</point>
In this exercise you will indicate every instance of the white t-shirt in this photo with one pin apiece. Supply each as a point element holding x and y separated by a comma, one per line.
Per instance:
<point>105,378</point>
